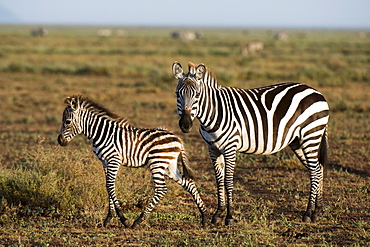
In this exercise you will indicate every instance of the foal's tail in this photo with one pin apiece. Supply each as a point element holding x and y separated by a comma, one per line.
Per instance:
<point>187,171</point>
<point>323,152</point>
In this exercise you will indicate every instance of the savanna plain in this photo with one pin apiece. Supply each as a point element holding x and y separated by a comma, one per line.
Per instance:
<point>55,196</point>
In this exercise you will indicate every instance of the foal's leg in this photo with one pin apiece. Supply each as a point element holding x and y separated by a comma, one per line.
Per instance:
<point>111,173</point>
<point>160,189</point>
<point>188,184</point>
<point>111,205</point>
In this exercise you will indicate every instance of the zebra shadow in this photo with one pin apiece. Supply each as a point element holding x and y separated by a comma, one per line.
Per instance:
<point>270,192</point>
<point>334,165</point>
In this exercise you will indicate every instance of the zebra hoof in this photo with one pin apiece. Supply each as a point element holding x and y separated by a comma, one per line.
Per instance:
<point>126,224</point>
<point>124,221</point>
<point>216,220</point>
<point>137,222</point>
<point>134,225</point>
<point>313,218</point>
<point>106,221</point>
<point>229,222</point>
<point>204,221</point>
<point>306,219</point>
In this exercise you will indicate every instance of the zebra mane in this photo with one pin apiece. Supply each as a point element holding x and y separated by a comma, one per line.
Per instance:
<point>209,78</point>
<point>88,104</point>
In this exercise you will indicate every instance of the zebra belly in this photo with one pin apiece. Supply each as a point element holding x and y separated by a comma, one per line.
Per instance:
<point>266,143</point>
<point>244,141</point>
<point>264,152</point>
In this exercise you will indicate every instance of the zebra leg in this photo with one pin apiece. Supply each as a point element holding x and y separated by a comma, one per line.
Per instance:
<point>219,165</point>
<point>110,185</point>
<point>316,172</point>
<point>315,202</point>
<point>160,189</point>
<point>229,184</point>
<point>189,185</point>
<point>111,204</point>
<point>109,215</point>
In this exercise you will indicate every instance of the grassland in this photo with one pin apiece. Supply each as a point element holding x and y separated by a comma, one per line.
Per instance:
<point>51,195</point>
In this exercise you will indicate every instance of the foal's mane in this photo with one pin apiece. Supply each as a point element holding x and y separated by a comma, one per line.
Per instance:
<point>97,108</point>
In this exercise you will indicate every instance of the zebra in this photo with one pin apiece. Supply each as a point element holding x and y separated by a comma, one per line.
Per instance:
<point>115,142</point>
<point>256,121</point>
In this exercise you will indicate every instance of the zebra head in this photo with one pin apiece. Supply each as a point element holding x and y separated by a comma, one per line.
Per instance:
<point>188,93</point>
<point>70,121</point>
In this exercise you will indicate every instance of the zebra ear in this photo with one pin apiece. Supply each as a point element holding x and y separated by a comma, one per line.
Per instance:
<point>200,71</point>
<point>71,102</point>
<point>177,70</point>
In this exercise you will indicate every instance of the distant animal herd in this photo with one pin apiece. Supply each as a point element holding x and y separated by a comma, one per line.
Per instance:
<point>250,48</point>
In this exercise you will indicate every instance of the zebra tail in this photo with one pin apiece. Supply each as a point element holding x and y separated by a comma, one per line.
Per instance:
<point>187,171</point>
<point>323,152</point>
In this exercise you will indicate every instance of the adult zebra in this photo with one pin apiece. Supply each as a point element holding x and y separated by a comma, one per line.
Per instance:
<point>115,142</point>
<point>261,121</point>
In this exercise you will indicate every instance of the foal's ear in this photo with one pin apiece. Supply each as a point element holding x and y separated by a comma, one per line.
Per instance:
<point>71,102</point>
<point>200,71</point>
<point>177,70</point>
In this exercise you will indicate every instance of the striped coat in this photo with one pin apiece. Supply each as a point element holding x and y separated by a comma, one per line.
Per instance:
<point>115,142</point>
<point>258,121</point>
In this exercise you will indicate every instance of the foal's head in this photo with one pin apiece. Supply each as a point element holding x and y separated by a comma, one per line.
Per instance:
<point>71,124</point>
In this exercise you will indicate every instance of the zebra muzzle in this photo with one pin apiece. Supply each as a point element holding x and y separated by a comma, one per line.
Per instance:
<point>185,122</point>
<point>62,141</point>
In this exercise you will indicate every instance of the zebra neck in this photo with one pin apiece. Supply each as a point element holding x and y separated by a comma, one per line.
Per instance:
<point>210,109</point>
<point>98,129</point>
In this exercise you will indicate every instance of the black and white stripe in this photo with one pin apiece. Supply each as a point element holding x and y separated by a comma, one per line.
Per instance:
<point>116,143</point>
<point>260,121</point>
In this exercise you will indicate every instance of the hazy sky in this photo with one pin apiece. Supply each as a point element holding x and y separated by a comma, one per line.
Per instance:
<point>203,13</point>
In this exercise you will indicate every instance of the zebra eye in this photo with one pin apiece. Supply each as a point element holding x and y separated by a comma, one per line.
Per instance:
<point>68,121</point>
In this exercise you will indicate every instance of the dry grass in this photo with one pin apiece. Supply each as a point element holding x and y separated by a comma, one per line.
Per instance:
<point>55,196</point>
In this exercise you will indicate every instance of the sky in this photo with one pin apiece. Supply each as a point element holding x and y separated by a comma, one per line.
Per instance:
<point>338,14</point>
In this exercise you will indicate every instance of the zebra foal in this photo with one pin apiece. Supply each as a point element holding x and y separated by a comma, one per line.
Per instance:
<point>257,121</point>
<point>115,142</point>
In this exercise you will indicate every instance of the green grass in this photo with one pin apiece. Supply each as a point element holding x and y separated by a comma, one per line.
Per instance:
<point>50,195</point>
